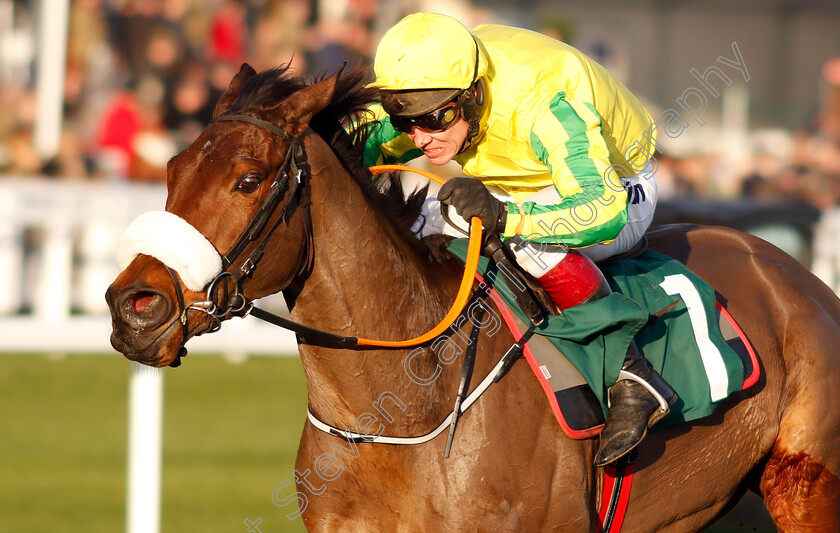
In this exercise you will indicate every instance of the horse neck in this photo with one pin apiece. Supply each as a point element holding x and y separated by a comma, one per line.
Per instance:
<point>367,281</point>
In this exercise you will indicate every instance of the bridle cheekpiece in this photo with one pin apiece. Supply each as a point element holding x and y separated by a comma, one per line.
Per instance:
<point>292,181</point>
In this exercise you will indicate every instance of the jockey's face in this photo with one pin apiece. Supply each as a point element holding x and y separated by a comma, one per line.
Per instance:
<point>441,146</point>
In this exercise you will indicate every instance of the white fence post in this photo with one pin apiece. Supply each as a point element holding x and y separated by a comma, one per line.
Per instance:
<point>96,267</point>
<point>144,449</point>
<point>826,262</point>
<point>52,66</point>
<point>52,299</point>
<point>11,265</point>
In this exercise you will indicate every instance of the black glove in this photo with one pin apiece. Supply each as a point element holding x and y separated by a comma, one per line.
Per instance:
<point>470,198</point>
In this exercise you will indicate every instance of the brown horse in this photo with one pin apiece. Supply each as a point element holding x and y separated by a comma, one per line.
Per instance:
<point>347,264</point>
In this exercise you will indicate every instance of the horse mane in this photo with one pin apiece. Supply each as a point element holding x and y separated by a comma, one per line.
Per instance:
<point>348,106</point>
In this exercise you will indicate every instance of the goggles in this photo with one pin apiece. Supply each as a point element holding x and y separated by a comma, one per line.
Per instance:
<point>438,120</point>
<point>443,117</point>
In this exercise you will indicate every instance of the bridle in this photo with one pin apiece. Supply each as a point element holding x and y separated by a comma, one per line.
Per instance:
<point>295,165</point>
<point>292,181</point>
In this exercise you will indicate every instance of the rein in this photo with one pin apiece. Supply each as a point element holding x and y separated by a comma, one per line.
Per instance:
<point>292,180</point>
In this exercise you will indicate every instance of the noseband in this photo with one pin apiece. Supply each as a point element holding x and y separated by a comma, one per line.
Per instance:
<point>292,181</point>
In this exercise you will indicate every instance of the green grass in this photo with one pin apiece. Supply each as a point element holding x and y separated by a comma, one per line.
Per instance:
<point>230,436</point>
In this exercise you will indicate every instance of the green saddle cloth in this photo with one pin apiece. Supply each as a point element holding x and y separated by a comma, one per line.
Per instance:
<point>684,344</point>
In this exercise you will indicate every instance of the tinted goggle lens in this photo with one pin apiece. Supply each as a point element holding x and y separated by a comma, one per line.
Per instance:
<point>438,120</point>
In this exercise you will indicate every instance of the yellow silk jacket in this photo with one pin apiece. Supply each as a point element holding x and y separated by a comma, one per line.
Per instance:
<point>553,117</point>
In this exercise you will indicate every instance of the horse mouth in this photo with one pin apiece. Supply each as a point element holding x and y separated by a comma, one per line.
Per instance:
<point>152,348</point>
<point>148,330</point>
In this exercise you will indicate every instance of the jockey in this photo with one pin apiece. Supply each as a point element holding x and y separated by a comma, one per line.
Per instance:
<point>550,143</point>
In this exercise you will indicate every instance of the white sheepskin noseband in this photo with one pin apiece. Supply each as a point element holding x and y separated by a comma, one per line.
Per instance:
<point>175,243</point>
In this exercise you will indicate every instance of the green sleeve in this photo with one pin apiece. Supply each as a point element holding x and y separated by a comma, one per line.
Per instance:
<point>569,141</point>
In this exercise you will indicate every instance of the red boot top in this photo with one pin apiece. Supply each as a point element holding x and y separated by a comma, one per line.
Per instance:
<point>573,281</point>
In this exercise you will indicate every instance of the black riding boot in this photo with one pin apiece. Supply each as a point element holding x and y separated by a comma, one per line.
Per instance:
<point>638,400</point>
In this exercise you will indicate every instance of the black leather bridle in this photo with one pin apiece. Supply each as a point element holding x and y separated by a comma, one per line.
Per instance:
<point>225,296</point>
<point>292,176</point>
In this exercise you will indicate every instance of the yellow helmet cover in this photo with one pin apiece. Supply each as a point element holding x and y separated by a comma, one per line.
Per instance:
<point>427,51</point>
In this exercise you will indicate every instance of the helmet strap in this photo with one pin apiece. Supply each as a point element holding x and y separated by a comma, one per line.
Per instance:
<point>472,111</point>
<point>474,102</point>
<point>478,92</point>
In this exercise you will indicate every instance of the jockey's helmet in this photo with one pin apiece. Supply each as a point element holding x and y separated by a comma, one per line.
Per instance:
<point>427,61</point>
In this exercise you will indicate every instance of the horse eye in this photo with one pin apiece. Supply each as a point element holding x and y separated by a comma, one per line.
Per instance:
<point>249,183</point>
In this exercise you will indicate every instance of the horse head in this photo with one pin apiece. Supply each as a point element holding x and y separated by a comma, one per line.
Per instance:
<point>240,168</point>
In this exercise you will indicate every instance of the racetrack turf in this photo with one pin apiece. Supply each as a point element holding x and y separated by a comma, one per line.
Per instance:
<point>230,436</point>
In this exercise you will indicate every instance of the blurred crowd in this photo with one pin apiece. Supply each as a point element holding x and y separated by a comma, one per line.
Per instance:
<point>143,77</point>
<point>777,166</point>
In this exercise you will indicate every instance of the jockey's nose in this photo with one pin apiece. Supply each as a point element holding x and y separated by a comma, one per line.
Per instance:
<point>421,138</point>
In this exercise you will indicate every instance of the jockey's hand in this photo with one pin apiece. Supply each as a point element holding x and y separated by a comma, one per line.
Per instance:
<point>470,198</point>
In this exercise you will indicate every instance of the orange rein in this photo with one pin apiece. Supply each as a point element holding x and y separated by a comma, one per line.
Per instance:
<point>470,267</point>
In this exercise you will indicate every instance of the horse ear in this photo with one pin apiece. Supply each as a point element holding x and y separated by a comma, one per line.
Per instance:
<point>299,108</point>
<point>246,72</point>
